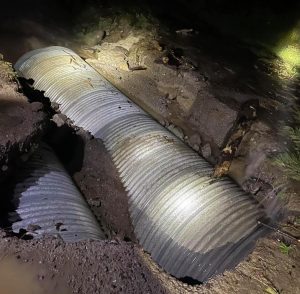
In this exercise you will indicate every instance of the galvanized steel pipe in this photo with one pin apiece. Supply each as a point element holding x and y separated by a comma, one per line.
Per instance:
<point>191,224</point>
<point>48,202</point>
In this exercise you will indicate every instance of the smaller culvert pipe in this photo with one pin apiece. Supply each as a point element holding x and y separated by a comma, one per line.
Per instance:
<point>47,201</point>
<point>192,224</point>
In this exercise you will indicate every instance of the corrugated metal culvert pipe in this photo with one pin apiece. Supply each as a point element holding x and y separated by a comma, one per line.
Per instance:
<point>48,202</point>
<point>192,225</point>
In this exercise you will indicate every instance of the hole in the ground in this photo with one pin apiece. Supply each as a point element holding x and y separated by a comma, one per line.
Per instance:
<point>22,234</point>
<point>34,95</point>
<point>190,281</point>
<point>64,140</point>
<point>174,56</point>
<point>68,146</point>
<point>127,239</point>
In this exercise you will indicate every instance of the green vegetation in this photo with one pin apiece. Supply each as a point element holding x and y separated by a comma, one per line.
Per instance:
<point>284,248</point>
<point>271,290</point>
<point>288,50</point>
<point>271,31</point>
<point>289,161</point>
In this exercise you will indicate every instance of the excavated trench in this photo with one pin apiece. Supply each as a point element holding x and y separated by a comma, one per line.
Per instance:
<point>115,209</point>
<point>88,163</point>
<point>42,178</point>
<point>86,160</point>
<point>107,184</point>
<point>28,210</point>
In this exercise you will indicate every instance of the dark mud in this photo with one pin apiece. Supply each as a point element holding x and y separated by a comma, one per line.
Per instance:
<point>87,267</point>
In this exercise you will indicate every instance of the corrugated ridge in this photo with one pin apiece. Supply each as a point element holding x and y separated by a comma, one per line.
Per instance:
<point>46,199</point>
<point>191,224</point>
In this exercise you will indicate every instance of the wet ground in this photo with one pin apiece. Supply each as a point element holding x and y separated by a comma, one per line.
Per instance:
<point>223,103</point>
<point>88,267</point>
<point>17,277</point>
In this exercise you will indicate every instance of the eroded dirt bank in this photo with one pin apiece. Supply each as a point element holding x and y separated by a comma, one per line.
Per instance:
<point>21,122</point>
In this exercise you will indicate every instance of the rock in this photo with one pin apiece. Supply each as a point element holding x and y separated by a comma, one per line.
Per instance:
<point>212,117</point>
<point>176,131</point>
<point>206,150</point>
<point>54,106</point>
<point>59,119</point>
<point>36,106</point>
<point>93,38</point>
<point>195,141</point>
<point>4,167</point>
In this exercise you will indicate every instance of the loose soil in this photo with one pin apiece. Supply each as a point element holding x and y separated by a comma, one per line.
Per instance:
<point>96,176</point>
<point>20,121</point>
<point>87,267</point>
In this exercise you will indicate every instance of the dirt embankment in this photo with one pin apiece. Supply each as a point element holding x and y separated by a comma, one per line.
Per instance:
<point>93,171</point>
<point>21,122</point>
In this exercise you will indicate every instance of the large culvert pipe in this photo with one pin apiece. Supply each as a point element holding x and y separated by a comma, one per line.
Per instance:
<point>192,225</point>
<point>47,201</point>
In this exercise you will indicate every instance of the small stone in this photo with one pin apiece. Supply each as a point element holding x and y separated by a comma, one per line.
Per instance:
<point>36,106</point>
<point>4,168</point>
<point>33,227</point>
<point>162,122</point>
<point>214,118</point>
<point>94,38</point>
<point>59,119</point>
<point>176,131</point>
<point>206,150</point>
<point>195,141</point>
<point>54,106</point>
<point>165,59</point>
<point>196,147</point>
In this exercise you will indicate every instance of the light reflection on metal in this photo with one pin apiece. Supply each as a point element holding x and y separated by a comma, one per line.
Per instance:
<point>192,225</point>
<point>48,202</point>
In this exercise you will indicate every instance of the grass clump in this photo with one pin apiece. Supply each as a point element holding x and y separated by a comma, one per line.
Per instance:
<point>289,160</point>
<point>284,248</point>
